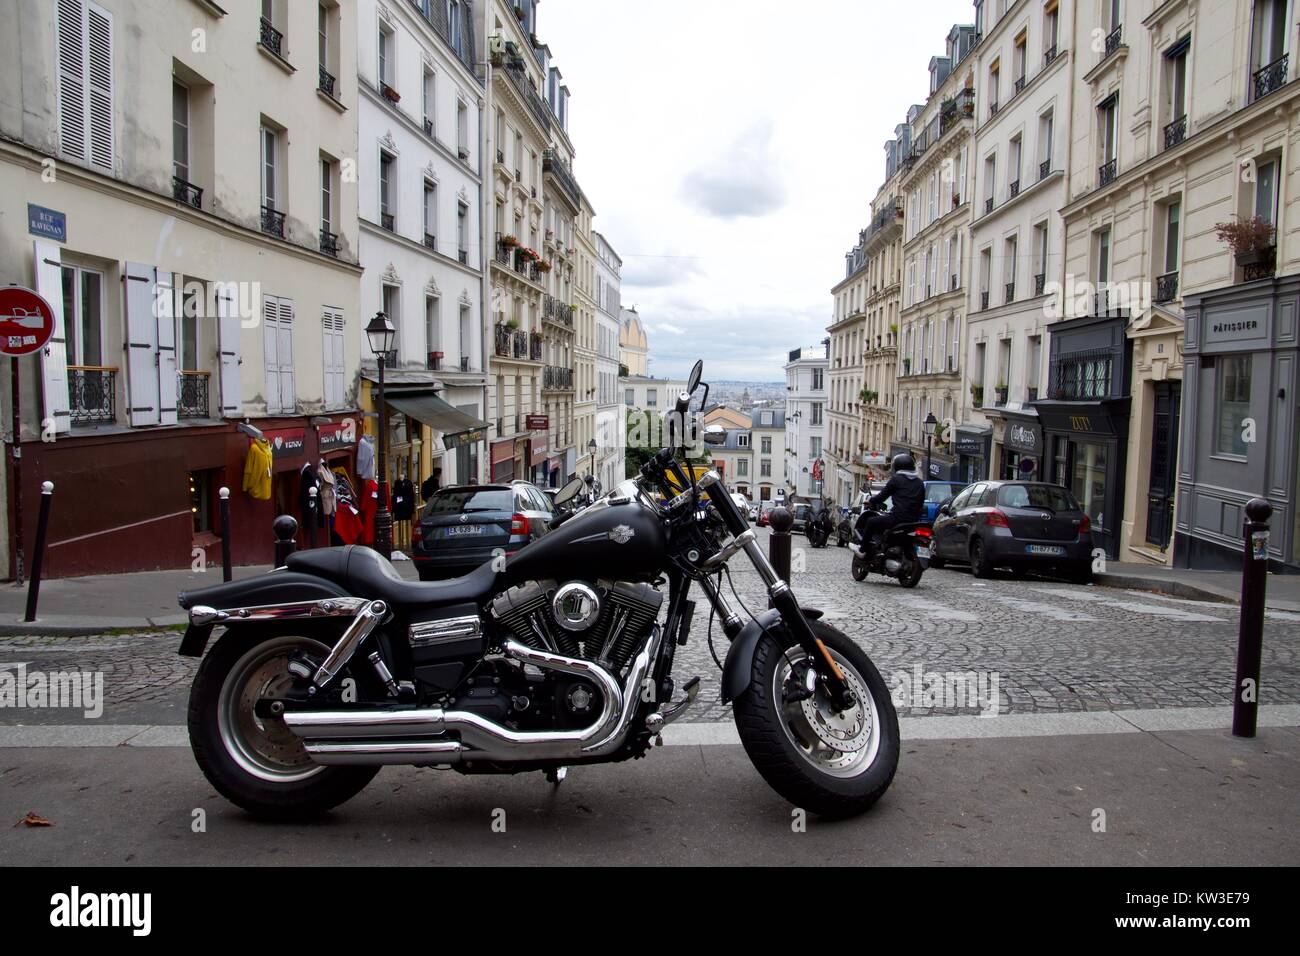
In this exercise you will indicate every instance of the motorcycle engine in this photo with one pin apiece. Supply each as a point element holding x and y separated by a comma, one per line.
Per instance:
<point>604,622</point>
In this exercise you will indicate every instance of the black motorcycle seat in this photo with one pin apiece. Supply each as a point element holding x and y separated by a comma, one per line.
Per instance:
<point>366,573</point>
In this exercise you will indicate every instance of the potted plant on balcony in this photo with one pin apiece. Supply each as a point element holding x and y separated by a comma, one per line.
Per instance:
<point>544,266</point>
<point>512,324</point>
<point>509,241</point>
<point>391,94</point>
<point>977,395</point>
<point>435,359</point>
<point>1251,240</point>
<point>1001,391</point>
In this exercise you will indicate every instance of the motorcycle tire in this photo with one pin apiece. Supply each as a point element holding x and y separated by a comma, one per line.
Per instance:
<point>910,576</point>
<point>859,569</point>
<point>252,762</point>
<point>830,782</point>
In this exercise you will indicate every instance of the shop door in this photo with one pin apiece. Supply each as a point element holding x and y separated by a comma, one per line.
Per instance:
<point>1164,463</point>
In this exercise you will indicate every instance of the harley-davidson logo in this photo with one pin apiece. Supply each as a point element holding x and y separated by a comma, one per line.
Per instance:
<point>464,518</point>
<point>621,534</point>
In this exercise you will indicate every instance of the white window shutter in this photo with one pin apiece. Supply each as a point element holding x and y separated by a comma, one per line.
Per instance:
<point>228,344</point>
<point>72,87</point>
<point>141,345</point>
<point>168,381</point>
<point>332,349</point>
<point>270,338</point>
<point>284,356</point>
<point>55,401</point>
<point>99,88</point>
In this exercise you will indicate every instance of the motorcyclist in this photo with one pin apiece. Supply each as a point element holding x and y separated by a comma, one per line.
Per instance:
<point>906,490</point>
<point>821,518</point>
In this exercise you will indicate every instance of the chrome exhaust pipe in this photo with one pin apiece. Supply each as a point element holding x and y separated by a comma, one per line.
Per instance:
<point>366,736</point>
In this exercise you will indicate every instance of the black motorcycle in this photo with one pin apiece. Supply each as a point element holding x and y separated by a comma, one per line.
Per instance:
<point>558,655</point>
<point>902,554</point>
<point>819,528</point>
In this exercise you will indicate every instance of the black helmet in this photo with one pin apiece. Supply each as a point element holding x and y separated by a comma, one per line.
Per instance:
<point>903,462</point>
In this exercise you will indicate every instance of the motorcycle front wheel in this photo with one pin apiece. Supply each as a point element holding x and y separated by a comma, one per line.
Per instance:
<point>832,764</point>
<point>859,569</point>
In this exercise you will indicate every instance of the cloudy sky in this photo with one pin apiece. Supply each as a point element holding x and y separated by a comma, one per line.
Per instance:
<point>731,150</point>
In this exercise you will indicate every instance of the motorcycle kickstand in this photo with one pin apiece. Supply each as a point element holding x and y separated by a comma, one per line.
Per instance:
<point>556,775</point>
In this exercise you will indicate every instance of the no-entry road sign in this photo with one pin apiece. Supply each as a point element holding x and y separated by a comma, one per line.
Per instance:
<point>26,321</point>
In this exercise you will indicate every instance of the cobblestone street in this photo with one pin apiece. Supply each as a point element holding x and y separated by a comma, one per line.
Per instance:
<point>1054,647</point>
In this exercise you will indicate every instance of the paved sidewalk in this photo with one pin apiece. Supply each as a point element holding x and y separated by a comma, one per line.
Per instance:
<point>1282,594</point>
<point>105,602</point>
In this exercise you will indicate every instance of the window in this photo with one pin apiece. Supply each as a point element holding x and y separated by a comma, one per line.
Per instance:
<point>1088,480</point>
<point>742,467</point>
<point>462,130</point>
<point>1083,376</point>
<point>332,348</point>
<point>326,196</point>
<point>187,337</point>
<point>83,315</point>
<point>1108,134</point>
<point>1173,214</point>
<point>767,445</point>
<point>1040,257</point>
<point>816,413</point>
<point>277,340</point>
<point>432,325</point>
<point>386,196</point>
<point>651,398</point>
<point>387,43</point>
<point>85,83</point>
<point>180,131</point>
<point>1045,131</point>
<point>462,230</point>
<point>322,37</point>
<point>1115,14</point>
<point>391,303</point>
<point>1269,38</point>
<point>1233,403</point>
<point>1176,92</point>
<point>629,397</point>
<point>453,24</point>
<point>1266,191</point>
<point>430,214</point>
<point>765,468</point>
<point>428,100</point>
<point>1051,31</point>
<point>817,382</point>
<point>742,441</point>
<point>270,184</point>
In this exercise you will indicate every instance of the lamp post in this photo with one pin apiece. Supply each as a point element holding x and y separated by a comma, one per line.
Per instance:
<point>591,447</point>
<point>381,333</point>
<point>928,426</point>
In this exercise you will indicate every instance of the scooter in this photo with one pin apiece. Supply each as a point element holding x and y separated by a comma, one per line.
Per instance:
<point>903,554</point>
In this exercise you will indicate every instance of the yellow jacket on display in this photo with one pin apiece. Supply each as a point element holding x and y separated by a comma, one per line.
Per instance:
<point>257,470</point>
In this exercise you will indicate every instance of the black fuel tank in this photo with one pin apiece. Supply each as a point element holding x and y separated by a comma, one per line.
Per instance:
<point>622,541</point>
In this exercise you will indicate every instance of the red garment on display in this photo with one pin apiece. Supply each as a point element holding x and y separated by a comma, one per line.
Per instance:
<point>348,524</point>
<point>369,504</point>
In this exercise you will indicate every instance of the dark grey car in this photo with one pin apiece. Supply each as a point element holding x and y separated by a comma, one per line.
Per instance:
<point>463,526</point>
<point>1021,525</point>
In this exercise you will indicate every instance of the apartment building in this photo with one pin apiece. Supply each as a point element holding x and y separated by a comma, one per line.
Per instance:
<point>420,103</point>
<point>609,440</point>
<point>586,334</point>
<point>633,347</point>
<point>172,182</point>
<point>806,420</point>
<point>767,438</point>
<point>1172,369</point>
<point>1024,81</point>
<point>935,183</point>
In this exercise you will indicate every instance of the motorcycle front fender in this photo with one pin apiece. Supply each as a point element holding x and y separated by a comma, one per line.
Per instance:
<point>740,658</point>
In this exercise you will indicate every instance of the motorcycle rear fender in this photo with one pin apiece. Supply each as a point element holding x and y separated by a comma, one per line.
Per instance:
<point>277,587</point>
<point>740,658</point>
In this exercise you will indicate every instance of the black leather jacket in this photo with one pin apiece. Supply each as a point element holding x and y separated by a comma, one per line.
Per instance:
<point>908,493</point>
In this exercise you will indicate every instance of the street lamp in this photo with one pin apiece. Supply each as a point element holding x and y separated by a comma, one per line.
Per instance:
<point>591,447</point>
<point>381,333</point>
<point>928,426</point>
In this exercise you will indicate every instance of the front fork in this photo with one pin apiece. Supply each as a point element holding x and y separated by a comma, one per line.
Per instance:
<point>782,597</point>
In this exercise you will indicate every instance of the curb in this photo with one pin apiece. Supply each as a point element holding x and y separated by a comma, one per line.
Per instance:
<point>15,626</point>
<point>1180,589</point>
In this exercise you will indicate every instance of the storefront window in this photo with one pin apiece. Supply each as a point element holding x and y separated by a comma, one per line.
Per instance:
<point>1089,480</point>
<point>200,492</point>
<point>1233,404</point>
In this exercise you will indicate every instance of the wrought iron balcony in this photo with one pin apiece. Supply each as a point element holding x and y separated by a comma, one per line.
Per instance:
<point>554,165</point>
<point>1011,292</point>
<point>92,394</point>
<point>386,220</point>
<point>557,378</point>
<point>1113,40</point>
<point>1176,131</point>
<point>535,346</point>
<point>428,127</point>
<point>193,392</point>
<point>329,242</point>
<point>988,205</point>
<point>504,254</point>
<point>187,193</point>
<point>1020,83</point>
<point>431,241</point>
<point>272,221</point>
<point>1107,172</point>
<point>557,311</point>
<point>464,363</point>
<point>327,83</point>
<point>1040,283</point>
<point>501,156</point>
<point>1272,77</point>
<point>271,38</point>
<point>1263,266</point>
<point>518,78</point>
<point>1049,55</point>
<point>984,301</point>
<point>463,255</point>
<point>993,109</point>
<point>1167,287</point>
<point>1014,188</point>
<point>1044,169</point>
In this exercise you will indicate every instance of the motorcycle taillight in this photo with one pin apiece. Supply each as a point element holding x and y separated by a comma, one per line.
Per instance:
<point>922,532</point>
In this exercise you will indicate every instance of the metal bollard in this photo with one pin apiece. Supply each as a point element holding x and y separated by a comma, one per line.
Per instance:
<point>285,528</point>
<point>224,494</point>
<point>780,545</point>
<point>38,554</point>
<point>1250,633</point>
<point>312,505</point>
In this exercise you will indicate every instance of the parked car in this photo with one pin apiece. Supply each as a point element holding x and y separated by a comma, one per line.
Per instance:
<point>463,526</point>
<point>764,513</point>
<point>1021,525</point>
<point>800,512</point>
<point>937,492</point>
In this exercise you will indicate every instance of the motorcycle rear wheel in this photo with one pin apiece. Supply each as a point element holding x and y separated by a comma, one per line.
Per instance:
<point>254,762</point>
<point>833,765</point>
<point>910,576</point>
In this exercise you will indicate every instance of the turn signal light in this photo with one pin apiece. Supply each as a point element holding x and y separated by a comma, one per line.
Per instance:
<point>996,519</point>
<point>519,524</point>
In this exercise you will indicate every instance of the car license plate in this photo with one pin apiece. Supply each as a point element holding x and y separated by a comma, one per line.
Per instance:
<point>1044,549</point>
<point>923,553</point>
<point>464,530</point>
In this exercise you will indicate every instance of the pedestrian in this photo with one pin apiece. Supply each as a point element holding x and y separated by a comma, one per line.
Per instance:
<point>431,484</point>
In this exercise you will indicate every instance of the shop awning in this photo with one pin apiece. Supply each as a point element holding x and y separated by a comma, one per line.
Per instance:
<point>434,412</point>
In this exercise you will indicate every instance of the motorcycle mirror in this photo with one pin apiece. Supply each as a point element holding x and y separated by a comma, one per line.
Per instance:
<point>697,372</point>
<point>715,435</point>
<point>569,491</point>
